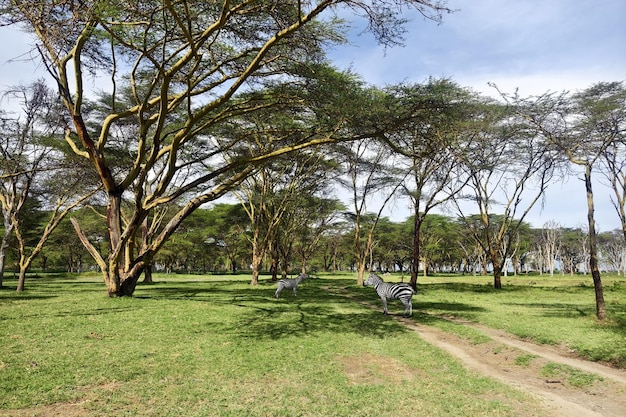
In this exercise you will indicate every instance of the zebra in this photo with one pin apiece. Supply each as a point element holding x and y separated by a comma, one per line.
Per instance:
<point>400,291</point>
<point>289,283</point>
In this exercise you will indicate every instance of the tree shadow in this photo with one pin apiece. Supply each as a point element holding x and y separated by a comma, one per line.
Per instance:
<point>9,293</point>
<point>468,287</point>
<point>620,323</point>
<point>557,309</point>
<point>315,319</point>
<point>450,307</point>
<point>313,310</point>
<point>616,312</point>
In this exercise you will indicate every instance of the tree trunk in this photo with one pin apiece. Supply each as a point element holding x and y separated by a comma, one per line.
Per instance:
<point>147,274</point>
<point>145,242</point>
<point>416,248</point>
<point>358,254</point>
<point>497,278</point>
<point>256,262</point>
<point>8,229</point>
<point>274,266</point>
<point>3,247</point>
<point>497,270</point>
<point>303,265</point>
<point>593,250</point>
<point>21,280</point>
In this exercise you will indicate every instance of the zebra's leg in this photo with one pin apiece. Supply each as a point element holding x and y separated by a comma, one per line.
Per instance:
<point>294,291</point>
<point>384,300</point>
<point>408,308</point>
<point>277,293</point>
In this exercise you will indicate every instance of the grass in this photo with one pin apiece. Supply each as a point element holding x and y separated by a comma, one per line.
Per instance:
<point>573,376</point>
<point>215,346</point>
<point>524,360</point>
<point>557,311</point>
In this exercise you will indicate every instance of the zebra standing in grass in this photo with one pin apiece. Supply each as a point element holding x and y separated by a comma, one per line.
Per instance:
<point>289,284</point>
<point>385,290</point>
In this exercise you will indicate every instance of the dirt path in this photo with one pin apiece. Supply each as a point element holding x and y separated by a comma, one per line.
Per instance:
<point>497,359</point>
<point>606,397</point>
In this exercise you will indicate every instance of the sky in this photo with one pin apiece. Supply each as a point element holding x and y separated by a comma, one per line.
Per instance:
<point>534,46</point>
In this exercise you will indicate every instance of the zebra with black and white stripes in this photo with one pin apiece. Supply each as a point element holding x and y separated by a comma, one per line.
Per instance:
<point>289,283</point>
<point>398,291</point>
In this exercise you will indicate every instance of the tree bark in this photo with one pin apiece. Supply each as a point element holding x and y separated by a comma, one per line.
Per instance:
<point>257,257</point>
<point>593,249</point>
<point>145,242</point>
<point>8,228</point>
<point>497,278</point>
<point>21,280</point>
<point>497,270</point>
<point>147,274</point>
<point>416,248</point>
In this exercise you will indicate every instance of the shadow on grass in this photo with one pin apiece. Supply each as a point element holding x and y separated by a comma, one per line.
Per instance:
<point>558,310</point>
<point>467,287</point>
<point>616,312</point>
<point>9,293</point>
<point>449,307</point>
<point>314,309</point>
<point>13,296</point>
<point>620,324</point>
<point>312,320</point>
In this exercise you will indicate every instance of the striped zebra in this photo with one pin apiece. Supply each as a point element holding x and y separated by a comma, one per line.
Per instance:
<point>289,283</point>
<point>385,290</point>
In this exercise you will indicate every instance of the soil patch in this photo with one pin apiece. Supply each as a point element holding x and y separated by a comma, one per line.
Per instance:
<point>374,369</point>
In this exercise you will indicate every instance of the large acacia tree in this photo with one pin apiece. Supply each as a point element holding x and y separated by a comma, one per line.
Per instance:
<point>430,123</point>
<point>509,168</point>
<point>184,64</point>
<point>585,127</point>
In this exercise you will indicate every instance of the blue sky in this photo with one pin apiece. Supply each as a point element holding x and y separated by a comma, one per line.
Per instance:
<point>534,46</point>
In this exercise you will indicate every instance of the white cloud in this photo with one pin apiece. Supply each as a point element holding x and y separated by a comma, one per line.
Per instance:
<point>491,40</point>
<point>534,46</point>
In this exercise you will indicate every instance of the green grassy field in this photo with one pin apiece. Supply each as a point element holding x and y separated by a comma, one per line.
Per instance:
<point>558,310</point>
<point>216,346</point>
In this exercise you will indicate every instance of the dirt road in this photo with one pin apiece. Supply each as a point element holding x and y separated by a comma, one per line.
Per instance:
<point>497,359</point>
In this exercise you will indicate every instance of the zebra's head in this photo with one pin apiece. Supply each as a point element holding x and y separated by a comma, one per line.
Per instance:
<point>372,280</point>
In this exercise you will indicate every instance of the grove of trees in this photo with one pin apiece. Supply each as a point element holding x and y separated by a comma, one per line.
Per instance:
<point>200,101</point>
<point>218,240</point>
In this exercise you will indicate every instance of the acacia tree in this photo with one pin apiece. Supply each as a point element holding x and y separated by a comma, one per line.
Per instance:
<point>33,168</point>
<point>226,225</point>
<point>370,174</point>
<point>611,113</point>
<point>613,252</point>
<point>551,244</point>
<point>312,218</point>
<point>271,197</point>
<point>331,245</point>
<point>429,125</point>
<point>185,63</point>
<point>582,127</point>
<point>437,245</point>
<point>509,169</point>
